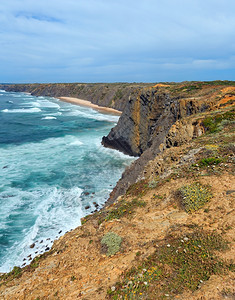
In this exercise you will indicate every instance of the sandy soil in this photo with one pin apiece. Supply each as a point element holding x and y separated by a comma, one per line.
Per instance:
<point>89,104</point>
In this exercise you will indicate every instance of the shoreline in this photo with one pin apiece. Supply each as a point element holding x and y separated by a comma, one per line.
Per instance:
<point>87,103</point>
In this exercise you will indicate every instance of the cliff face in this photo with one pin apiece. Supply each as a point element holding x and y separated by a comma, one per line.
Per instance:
<point>113,95</point>
<point>149,114</point>
<point>157,119</point>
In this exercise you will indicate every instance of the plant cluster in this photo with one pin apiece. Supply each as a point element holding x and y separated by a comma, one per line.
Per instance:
<point>194,196</point>
<point>138,189</point>
<point>124,208</point>
<point>113,243</point>
<point>208,161</point>
<point>184,263</point>
<point>216,122</point>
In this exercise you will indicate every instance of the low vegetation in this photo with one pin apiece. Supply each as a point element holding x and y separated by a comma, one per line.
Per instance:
<point>216,122</point>
<point>138,189</point>
<point>194,196</point>
<point>124,208</point>
<point>111,243</point>
<point>183,263</point>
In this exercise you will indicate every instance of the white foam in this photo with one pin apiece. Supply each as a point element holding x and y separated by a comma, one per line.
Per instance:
<point>49,118</point>
<point>91,114</point>
<point>55,209</point>
<point>22,110</point>
<point>2,91</point>
<point>42,103</point>
<point>76,143</point>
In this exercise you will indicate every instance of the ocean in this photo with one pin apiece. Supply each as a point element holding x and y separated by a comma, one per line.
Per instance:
<point>53,171</point>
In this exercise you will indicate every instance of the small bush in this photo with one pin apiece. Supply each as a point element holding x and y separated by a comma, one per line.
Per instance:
<point>209,161</point>
<point>194,196</point>
<point>113,242</point>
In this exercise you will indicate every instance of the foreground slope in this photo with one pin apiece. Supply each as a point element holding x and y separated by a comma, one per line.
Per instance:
<point>170,235</point>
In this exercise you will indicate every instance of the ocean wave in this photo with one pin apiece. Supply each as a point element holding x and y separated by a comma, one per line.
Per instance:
<point>93,115</point>
<point>76,143</point>
<point>49,118</point>
<point>42,103</point>
<point>22,110</point>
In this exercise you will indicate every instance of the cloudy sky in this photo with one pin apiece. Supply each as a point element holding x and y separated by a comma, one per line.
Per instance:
<point>120,40</point>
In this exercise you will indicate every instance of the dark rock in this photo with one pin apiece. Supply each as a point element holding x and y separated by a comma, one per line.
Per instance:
<point>60,232</point>
<point>32,246</point>
<point>86,193</point>
<point>47,249</point>
<point>87,207</point>
<point>5,167</point>
<point>228,192</point>
<point>41,242</point>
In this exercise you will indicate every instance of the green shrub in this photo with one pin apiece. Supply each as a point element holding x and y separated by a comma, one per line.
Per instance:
<point>113,243</point>
<point>209,161</point>
<point>194,196</point>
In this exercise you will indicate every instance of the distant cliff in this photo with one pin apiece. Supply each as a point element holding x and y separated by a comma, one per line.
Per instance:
<point>113,95</point>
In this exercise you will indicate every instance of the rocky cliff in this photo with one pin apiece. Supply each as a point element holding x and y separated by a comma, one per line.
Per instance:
<point>156,118</point>
<point>113,95</point>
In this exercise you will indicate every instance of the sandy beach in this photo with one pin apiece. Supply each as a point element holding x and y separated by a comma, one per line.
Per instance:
<point>91,105</point>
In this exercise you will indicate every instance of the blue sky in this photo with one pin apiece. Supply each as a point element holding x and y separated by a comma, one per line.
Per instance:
<point>122,40</point>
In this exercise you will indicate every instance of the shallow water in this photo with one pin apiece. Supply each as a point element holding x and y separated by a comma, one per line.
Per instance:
<point>52,166</point>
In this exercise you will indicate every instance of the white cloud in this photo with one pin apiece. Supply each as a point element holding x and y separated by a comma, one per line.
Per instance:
<point>104,36</point>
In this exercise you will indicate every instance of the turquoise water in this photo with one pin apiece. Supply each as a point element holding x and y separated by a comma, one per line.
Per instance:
<point>52,168</point>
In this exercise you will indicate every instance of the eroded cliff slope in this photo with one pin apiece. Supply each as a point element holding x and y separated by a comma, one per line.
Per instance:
<point>158,118</point>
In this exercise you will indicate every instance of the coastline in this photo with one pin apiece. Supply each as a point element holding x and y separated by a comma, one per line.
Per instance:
<point>87,103</point>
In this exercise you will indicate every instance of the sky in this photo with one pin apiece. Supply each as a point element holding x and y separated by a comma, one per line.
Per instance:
<point>116,41</point>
